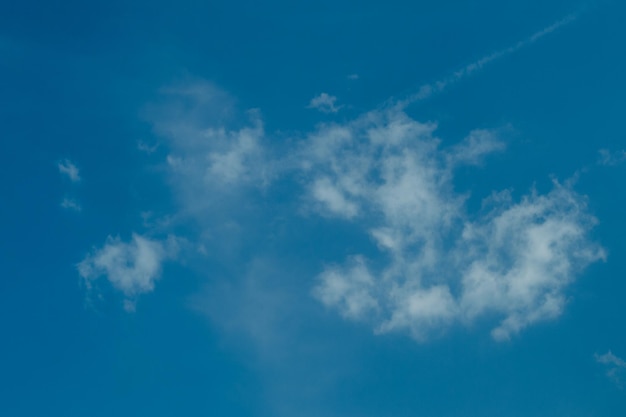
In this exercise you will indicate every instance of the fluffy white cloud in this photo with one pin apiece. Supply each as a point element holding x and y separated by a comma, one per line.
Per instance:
<point>523,255</point>
<point>324,103</point>
<point>69,169</point>
<point>614,364</point>
<point>131,267</point>
<point>514,260</point>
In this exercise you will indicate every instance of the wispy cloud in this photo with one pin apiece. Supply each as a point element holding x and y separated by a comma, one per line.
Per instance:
<point>428,90</point>
<point>71,204</point>
<point>608,158</point>
<point>616,366</point>
<point>69,169</point>
<point>324,103</point>
<point>204,150</point>
<point>146,148</point>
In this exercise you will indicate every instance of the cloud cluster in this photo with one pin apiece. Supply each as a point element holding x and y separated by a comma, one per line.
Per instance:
<point>514,260</point>
<point>131,267</point>
<point>438,264</point>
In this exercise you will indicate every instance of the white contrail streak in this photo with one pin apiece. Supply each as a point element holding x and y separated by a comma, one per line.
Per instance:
<point>428,90</point>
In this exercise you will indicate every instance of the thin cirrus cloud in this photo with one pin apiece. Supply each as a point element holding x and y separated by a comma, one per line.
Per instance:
<point>390,175</point>
<point>427,90</point>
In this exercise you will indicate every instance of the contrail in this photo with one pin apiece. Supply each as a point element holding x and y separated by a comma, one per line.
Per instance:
<point>428,90</point>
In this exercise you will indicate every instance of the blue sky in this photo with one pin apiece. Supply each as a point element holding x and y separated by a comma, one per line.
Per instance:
<point>351,209</point>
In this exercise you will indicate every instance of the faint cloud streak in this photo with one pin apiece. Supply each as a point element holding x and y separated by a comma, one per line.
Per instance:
<point>71,204</point>
<point>428,90</point>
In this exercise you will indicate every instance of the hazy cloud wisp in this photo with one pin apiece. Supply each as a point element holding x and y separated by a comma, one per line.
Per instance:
<point>615,365</point>
<point>69,169</point>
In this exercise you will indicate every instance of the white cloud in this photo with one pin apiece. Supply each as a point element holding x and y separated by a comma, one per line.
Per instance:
<point>389,174</point>
<point>69,169</point>
<point>616,366</point>
<point>522,257</point>
<point>71,204</point>
<point>353,77</point>
<point>324,103</point>
<point>513,261</point>
<point>131,267</point>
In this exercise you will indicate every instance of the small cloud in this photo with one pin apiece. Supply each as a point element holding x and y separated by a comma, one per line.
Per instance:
<point>144,147</point>
<point>614,364</point>
<point>71,204</point>
<point>131,267</point>
<point>608,158</point>
<point>66,167</point>
<point>353,77</point>
<point>324,103</point>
